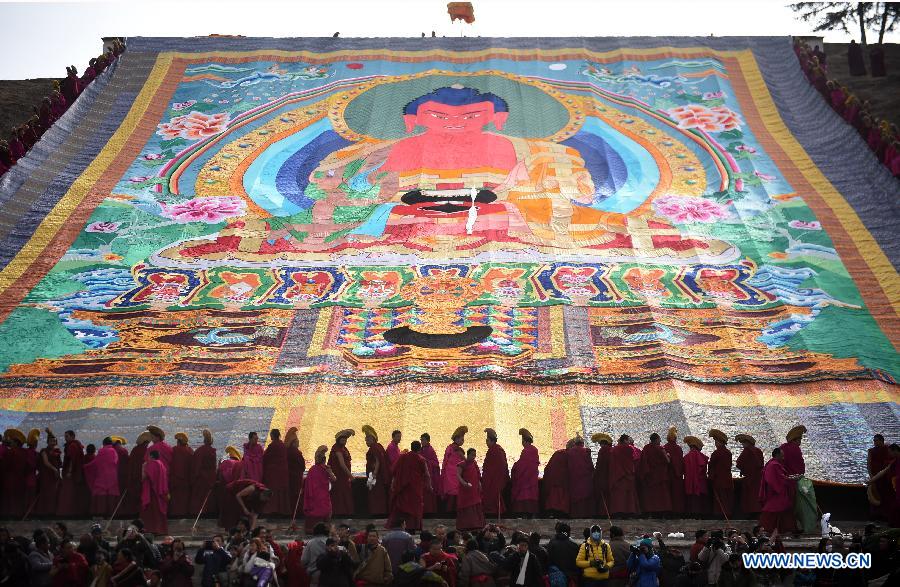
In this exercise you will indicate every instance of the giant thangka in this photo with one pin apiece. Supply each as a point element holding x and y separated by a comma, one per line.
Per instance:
<point>570,235</point>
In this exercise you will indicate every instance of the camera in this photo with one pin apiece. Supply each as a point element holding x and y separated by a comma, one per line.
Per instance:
<point>599,565</point>
<point>635,549</point>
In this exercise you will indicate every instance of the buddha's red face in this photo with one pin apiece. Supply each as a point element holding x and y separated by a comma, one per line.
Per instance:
<point>441,118</point>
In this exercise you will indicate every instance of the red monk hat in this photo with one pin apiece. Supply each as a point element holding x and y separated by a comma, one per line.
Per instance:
<point>796,432</point>
<point>491,433</point>
<point>143,437</point>
<point>369,431</point>
<point>599,437</point>
<point>672,434</point>
<point>346,433</point>
<point>524,433</point>
<point>460,431</point>
<point>718,435</point>
<point>693,441</point>
<point>181,436</point>
<point>291,435</point>
<point>33,436</point>
<point>156,431</point>
<point>745,438</point>
<point>233,452</point>
<point>14,434</point>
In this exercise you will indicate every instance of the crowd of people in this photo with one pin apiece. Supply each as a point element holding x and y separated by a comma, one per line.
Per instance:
<point>24,136</point>
<point>340,556</point>
<point>880,134</point>
<point>157,481</point>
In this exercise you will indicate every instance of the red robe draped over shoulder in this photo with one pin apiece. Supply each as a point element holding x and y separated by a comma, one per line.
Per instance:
<point>74,496</point>
<point>524,480</point>
<point>434,471</point>
<point>253,461</point>
<point>48,482</point>
<point>696,484</point>
<point>341,488</point>
<point>793,458</point>
<point>296,467</point>
<point>131,505</point>
<point>556,482</point>
<point>102,477</point>
<point>469,509</point>
<point>408,484</point>
<point>15,498</point>
<point>601,479</point>
<point>776,495</point>
<point>378,496</point>
<point>655,480</point>
<point>622,490</point>
<point>495,477</point>
<point>154,497</point>
<point>676,475</point>
<point>180,481</point>
<point>453,455</point>
<point>203,481</point>
<point>316,497</point>
<point>580,482</point>
<point>750,464</point>
<point>721,482</point>
<point>275,476</point>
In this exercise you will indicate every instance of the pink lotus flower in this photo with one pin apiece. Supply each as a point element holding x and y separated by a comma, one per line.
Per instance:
<point>812,225</point>
<point>106,227</point>
<point>745,148</point>
<point>713,95</point>
<point>689,209</point>
<point>194,125</point>
<point>207,210</point>
<point>182,105</point>
<point>153,156</point>
<point>716,119</point>
<point>138,178</point>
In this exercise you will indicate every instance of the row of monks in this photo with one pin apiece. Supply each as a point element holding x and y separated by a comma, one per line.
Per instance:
<point>622,480</point>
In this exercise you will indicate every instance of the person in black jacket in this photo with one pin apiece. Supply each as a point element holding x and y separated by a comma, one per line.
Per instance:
<point>562,552</point>
<point>532,575</point>
<point>335,567</point>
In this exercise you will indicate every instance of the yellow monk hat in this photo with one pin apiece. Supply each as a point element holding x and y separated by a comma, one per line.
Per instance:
<point>672,434</point>
<point>33,436</point>
<point>491,433</point>
<point>369,431</point>
<point>345,433</point>
<point>143,437</point>
<point>796,432</point>
<point>599,437</point>
<point>15,434</point>
<point>120,439</point>
<point>693,441</point>
<point>233,452</point>
<point>460,431</point>
<point>156,431</point>
<point>524,433</point>
<point>181,436</point>
<point>718,435</point>
<point>745,438</point>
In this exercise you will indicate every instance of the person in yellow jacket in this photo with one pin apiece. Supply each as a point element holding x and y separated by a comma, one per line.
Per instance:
<point>595,558</point>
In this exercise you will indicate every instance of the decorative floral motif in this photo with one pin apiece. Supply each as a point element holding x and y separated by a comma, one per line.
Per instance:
<point>687,210</point>
<point>139,178</point>
<point>182,105</point>
<point>713,95</point>
<point>715,119</point>
<point>106,227</point>
<point>194,126</point>
<point>764,176</point>
<point>206,210</point>
<point>152,156</point>
<point>802,225</point>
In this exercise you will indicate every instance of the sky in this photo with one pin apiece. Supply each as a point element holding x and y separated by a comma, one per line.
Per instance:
<point>41,38</point>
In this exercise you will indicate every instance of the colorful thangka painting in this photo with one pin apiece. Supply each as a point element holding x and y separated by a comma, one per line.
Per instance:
<point>427,238</point>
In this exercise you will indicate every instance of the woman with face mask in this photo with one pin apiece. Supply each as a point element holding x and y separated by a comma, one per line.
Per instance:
<point>595,558</point>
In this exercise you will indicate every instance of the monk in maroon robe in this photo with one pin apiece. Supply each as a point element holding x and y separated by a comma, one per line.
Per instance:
<point>378,475</point>
<point>102,476</point>
<point>556,483</point>
<point>696,484</point>
<point>676,471</point>
<point>433,493</point>
<point>879,457</point>
<point>316,497</point>
<point>601,472</point>
<point>524,477</point>
<point>721,482</point>
<point>495,476</point>
<point>252,462</point>
<point>131,504</point>
<point>31,455</point>
<point>339,463</point>
<point>410,480</point>
<point>14,470</point>
<point>453,456</point>
<point>160,445</point>
<point>49,477</point>
<point>122,473</point>
<point>469,512</point>
<point>296,467</point>
<point>393,448</point>
<point>251,497</point>
<point>581,480</point>
<point>793,456</point>
<point>74,497</point>
<point>155,495</point>
<point>203,477</point>
<point>623,497</point>
<point>654,475</point>
<point>276,476</point>
<point>230,470</point>
<point>750,463</point>
<point>180,477</point>
<point>777,497</point>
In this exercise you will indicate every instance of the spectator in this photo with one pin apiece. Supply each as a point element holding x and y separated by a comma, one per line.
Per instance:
<point>176,568</point>
<point>595,558</point>
<point>491,539</point>
<point>476,568</point>
<point>698,545</point>
<point>102,571</point>
<point>126,571</point>
<point>313,550</point>
<point>561,554</point>
<point>375,564</point>
<point>621,550</point>
<point>69,567</point>
<point>644,564</point>
<point>334,566</point>
<point>713,555</point>
<point>215,560</point>
<point>263,572</point>
<point>396,542</point>
<point>524,568</point>
<point>40,561</point>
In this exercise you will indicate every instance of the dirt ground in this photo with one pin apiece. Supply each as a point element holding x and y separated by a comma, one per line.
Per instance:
<point>16,99</point>
<point>883,93</point>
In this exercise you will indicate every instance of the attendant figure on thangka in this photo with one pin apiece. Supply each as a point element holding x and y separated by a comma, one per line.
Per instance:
<point>454,187</point>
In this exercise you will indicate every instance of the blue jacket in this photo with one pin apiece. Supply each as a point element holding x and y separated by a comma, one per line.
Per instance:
<point>647,569</point>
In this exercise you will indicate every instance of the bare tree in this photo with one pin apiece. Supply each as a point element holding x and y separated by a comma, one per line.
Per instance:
<point>885,18</point>
<point>831,16</point>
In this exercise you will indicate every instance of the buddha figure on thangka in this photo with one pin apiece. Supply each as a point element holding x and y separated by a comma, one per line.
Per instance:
<point>456,189</point>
